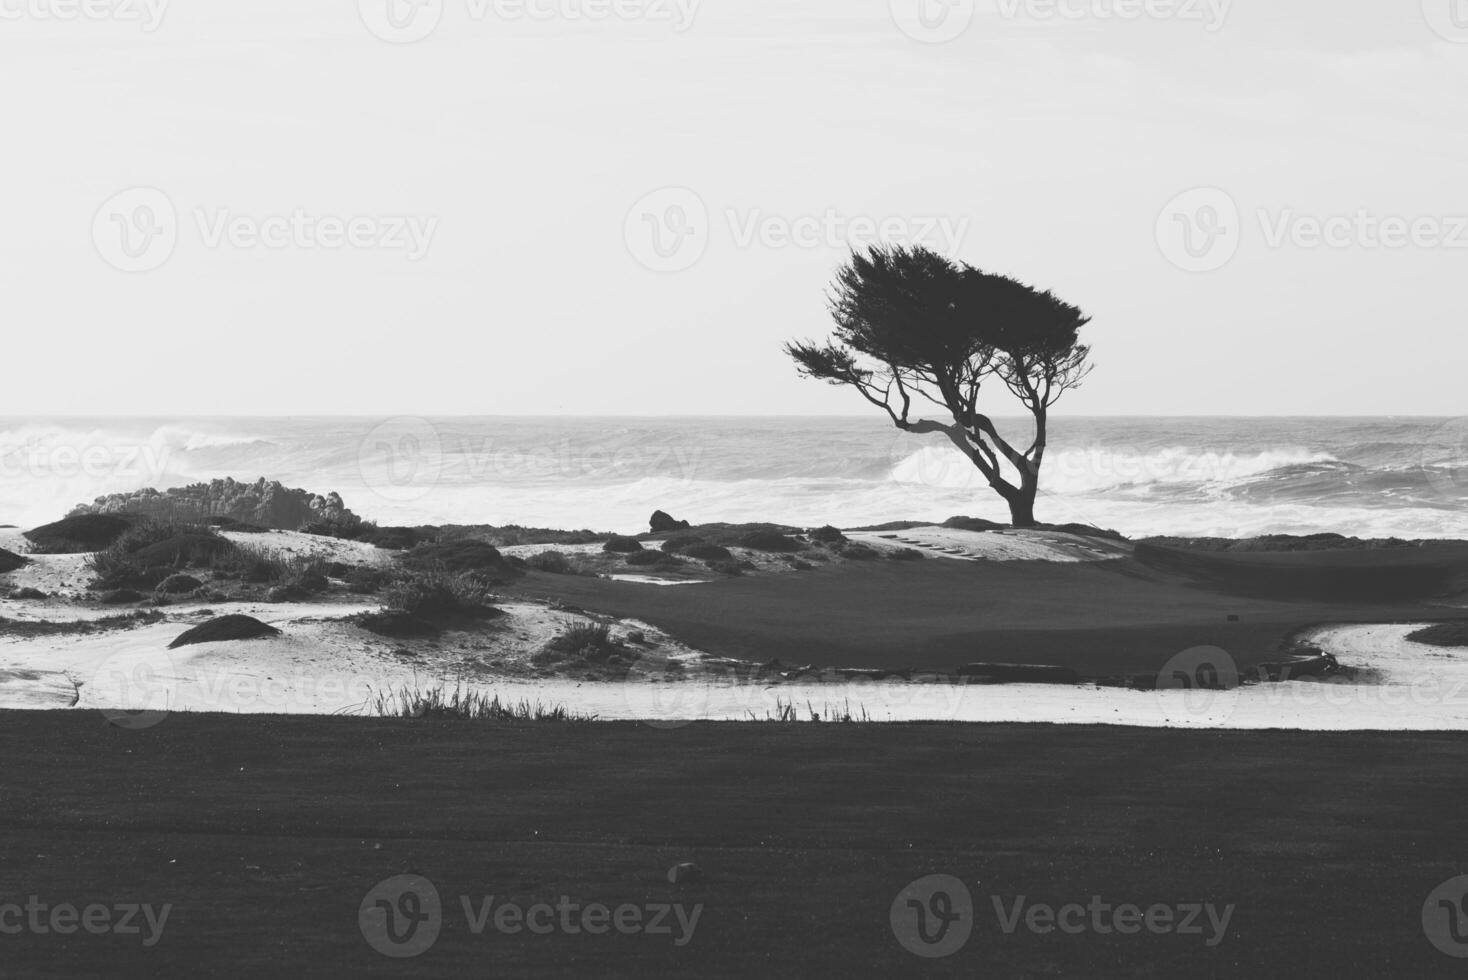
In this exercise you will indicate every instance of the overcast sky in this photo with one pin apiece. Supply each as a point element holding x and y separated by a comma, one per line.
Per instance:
<point>302,206</point>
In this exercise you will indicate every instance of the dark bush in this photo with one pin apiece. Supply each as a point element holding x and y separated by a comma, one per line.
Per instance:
<point>365,581</point>
<point>622,546</point>
<point>394,538</point>
<point>859,552</point>
<point>186,549</point>
<point>770,541</point>
<point>680,543</point>
<point>119,597</point>
<point>590,642</point>
<point>10,561</point>
<point>553,562</point>
<point>905,554</point>
<point>1442,635</point>
<point>179,584</point>
<point>287,593</point>
<point>644,558</point>
<point>731,568</point>
<point>346,525</point>
<point>827,535</point>
<point>79,533</point>
<point>233,627</point>
<point>709,552</point>
<point>466,555</point>
<point>436,595</point>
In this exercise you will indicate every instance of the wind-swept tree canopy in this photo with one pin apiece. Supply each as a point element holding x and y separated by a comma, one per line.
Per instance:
<point>916,331</point>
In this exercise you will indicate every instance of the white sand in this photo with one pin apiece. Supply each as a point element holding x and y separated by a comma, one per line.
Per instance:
<point>1007,545</point>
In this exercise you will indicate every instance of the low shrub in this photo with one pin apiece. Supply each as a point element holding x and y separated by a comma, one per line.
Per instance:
<point>438,595</point>
<point>709,552</point>
<point>827,535</point>
<point>770,541</point>
<point>905,554</point>
<point>233,627</point>
<point>859,552</point>
<point>119,597</point>
<point>552,562</point>
<point>622,546</point>
<point>641,559</point>
<point>463,556</point>
<point>347,526</point>
<point>680,543</point>
<point>287,593</point>
<point>396,538</point>
<point>588,642</point>
<point>365,580</point>
<point>178,584</point>
<point>1442,635</point>
<point>79,533</point>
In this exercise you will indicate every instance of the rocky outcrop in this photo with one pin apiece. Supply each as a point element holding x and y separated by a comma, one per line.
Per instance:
<point>266,503</point>
<point>662,522</point>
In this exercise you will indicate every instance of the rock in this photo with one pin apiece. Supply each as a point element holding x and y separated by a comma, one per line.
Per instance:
<point>661,521</point>
<point>686,873</point>
<point>264,503</point>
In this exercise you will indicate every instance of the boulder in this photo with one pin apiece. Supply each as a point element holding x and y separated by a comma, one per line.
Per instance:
<point>662,522</point>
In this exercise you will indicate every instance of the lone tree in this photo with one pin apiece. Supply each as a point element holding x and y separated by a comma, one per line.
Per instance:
<point>913,326</point>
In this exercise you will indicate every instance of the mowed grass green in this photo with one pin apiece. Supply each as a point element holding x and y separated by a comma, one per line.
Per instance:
<point>265,833</point>
<point>1100,618</point>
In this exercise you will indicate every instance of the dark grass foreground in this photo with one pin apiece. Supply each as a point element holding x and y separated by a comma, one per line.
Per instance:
<point>265,834</point>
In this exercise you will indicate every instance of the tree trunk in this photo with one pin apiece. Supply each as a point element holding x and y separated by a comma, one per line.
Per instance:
<point>1021,500</point>
<point>1022,509</point>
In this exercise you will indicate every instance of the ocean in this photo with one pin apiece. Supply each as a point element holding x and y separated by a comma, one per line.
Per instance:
<point>1373,477</point>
